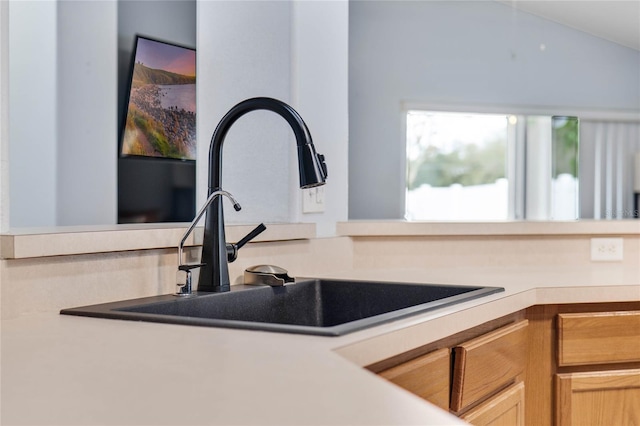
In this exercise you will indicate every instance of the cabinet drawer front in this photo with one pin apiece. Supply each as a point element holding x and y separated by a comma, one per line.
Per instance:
<point>506,408</point>
<point>598,338</point>
<point>486,364</point>
<point>426,376</point>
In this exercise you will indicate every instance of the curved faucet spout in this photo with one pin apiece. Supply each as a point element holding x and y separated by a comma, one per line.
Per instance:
<point>311,165</point>
<point>214,275</point>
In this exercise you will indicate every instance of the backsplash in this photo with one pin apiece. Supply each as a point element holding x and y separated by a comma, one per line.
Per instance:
<point>456,251</point>
<point>46,284</point>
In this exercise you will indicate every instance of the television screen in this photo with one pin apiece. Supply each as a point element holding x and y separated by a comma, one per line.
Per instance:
<point>160,116</point>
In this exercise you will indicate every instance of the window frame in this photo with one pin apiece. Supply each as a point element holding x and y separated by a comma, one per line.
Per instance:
<point>520,154</point>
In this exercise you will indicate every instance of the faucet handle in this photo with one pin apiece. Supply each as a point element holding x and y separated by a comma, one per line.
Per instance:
<point>232,248</point>
<point>183,279</point>
<point>190,266</point>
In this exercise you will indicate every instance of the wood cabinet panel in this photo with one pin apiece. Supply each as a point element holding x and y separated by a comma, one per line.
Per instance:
<point>598,338</point>
<point>540,392</point>
<point>598,398</point>
<point>488,363</point>
<point>504,409</point>
<point>426,376</point>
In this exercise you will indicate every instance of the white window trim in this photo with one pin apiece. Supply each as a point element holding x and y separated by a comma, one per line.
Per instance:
<point>528,165</point>
<point>581,113</point>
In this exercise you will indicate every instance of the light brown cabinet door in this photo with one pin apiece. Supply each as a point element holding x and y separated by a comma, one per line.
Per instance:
<point>598,398</point>
<point>484,365</point>
<point>426,376</point>
<point>504,409</point>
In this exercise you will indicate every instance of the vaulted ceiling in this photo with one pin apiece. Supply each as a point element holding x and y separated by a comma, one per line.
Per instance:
<point>613,20</point>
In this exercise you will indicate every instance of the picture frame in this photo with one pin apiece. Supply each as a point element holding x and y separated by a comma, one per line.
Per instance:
<point>159,120</point>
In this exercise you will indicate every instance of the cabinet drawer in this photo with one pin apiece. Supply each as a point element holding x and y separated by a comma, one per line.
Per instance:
<point>426,376</point>
<point>506,408</point>
<point>488,363</point>
<point>598,338</point>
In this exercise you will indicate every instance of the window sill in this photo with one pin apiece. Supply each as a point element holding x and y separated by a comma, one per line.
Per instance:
<point>378,228</point>
<point>64,241</point>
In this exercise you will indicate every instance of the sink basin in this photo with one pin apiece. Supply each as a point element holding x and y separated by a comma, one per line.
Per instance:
<point>310,306</point>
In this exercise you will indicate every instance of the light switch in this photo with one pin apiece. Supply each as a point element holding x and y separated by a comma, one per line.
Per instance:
<point>313,200</point>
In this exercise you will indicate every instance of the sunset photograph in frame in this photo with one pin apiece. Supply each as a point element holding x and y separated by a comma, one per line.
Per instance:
<point>160,116</point>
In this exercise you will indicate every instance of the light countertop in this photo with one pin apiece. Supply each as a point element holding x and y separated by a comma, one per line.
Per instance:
<point>75,370</point>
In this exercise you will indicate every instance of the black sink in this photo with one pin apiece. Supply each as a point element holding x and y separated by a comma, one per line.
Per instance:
<point>310,306</point>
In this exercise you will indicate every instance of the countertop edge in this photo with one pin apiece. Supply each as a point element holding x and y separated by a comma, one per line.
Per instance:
<point>391,228</point>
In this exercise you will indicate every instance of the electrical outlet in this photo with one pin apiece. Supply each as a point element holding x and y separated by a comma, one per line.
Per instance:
<point>606,249</point>
<point>313,200</point>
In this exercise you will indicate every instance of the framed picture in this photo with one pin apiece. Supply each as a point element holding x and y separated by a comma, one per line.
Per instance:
<point>160,116</point>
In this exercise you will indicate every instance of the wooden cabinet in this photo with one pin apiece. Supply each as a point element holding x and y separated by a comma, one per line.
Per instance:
<point>504,409</point>
<point>583,364</point>
<point>575,364</point>
<point>598,398</point>
<point>426,376</point>
<point>484,365</point>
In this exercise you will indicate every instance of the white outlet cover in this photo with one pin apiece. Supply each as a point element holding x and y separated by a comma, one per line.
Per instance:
<point>607,249</point>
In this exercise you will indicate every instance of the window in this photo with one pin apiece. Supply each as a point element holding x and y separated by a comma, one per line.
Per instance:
<point>456,166</point>
<point>470,166</point>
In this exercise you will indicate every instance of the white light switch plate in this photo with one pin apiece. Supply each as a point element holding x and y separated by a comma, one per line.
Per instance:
<point>313,200</point>
<point>607,249</point>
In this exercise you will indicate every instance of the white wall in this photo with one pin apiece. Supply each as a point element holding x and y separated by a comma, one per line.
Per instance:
<point>62,115</point>
<point>462,53</point>
<point>244,52</point>
<point>321,94</point>
<point>295,52</point>
<point>87,114</point>
<point>32,113</point>
<point>4,116</point>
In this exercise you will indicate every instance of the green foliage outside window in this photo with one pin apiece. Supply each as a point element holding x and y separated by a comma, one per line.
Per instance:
<point>470,164</point>
<point>565,146</point>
